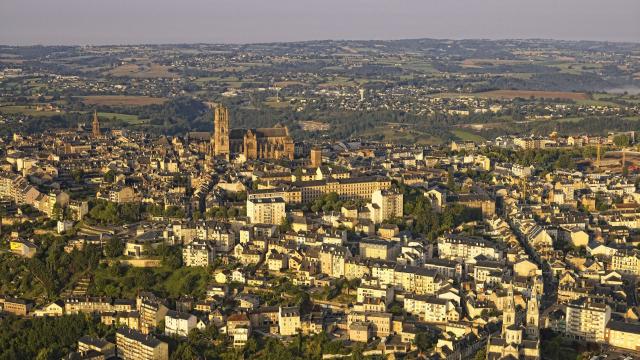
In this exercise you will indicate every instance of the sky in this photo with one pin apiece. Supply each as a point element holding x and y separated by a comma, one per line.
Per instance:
<point>98,22</point>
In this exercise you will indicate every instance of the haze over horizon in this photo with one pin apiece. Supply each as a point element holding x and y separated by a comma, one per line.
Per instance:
<point>91,22</point>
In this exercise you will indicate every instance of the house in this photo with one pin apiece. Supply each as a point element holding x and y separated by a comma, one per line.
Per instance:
<point>198,253</point>
<point>239,328</point>
<point>360,331</point>
<point>277,261</point>
<point>179,323</point>
<point>219,290</point>
<point>289,321</point>
<point>55,308</point>
<point>23,248</point>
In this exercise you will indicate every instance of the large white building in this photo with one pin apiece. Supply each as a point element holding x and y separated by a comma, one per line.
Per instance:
<point>179,323</point>
<point>266,211</point>
<point>467,248</point>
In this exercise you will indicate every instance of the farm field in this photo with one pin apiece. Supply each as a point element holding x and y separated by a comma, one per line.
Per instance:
<point>467,136</point>
<point>142,71</point>
<point>124,100</point>
<point>511,94</point>
<point>26,110</point>
<point>132,119</point>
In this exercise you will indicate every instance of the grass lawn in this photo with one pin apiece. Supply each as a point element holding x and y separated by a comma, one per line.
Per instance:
<point>273,103</point>
<point>204,80</point>
<point>467,136</point>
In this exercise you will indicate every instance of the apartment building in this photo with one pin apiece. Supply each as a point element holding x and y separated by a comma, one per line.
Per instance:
<point>134,345</point>
<point>198,253</point>
<point>266,211</point>
<point>466,248</point>
<point>385,205</point>
<point>587,320</point>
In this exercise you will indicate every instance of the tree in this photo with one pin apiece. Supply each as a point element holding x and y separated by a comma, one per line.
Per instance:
<point>114,247</point>
<point>621,140</point>
<point>425,341</point>
<point>57,213</point>
<point>185,351</point>
<point>451,184</point>
<point>109,176</point>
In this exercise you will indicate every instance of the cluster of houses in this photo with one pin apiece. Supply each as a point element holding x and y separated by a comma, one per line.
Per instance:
<point>538,251</point>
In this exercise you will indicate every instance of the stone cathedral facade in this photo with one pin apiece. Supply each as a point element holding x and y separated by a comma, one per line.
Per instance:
<point>260,143</point>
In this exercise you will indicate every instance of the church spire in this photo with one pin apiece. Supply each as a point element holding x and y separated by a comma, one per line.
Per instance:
<point>509,311</point>
<point>95,126</point>
<point>533,315</point>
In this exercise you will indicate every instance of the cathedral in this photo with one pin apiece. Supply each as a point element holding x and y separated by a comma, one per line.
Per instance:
<point>520,336</point>
<point>262,143</point>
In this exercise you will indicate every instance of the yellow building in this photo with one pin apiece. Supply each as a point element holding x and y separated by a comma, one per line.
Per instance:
<point>289,321</point>
<point>623,335</point>
<point>347,189</point>
<point>23,248</point>
<point>626,263</point>
<point>380,322</point>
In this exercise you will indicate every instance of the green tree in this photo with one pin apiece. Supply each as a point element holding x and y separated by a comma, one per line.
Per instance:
<point>621,140</point>
<point>109,176</point>
<point>481,354</point>
<point>425,341</point>
<point>114,247</point>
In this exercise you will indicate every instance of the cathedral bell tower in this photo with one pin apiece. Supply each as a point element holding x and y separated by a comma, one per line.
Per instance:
<point>220,137</point>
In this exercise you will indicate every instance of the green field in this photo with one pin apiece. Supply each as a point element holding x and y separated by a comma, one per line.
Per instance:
<point>132,119</point>
<point>273,103</point>
<point>403,136</point>
<point>467,136</point>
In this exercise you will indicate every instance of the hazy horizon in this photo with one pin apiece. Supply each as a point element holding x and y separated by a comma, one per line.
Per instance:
<point>122,22</point>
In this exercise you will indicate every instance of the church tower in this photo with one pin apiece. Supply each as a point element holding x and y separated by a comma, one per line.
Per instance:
<point>316,157</point>
<point>533,316</point>
<point>95,126</point>
<point>221,131</point>
<point>509,311</point>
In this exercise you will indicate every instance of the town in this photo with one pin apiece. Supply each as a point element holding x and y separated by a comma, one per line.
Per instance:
<point>248,243</point>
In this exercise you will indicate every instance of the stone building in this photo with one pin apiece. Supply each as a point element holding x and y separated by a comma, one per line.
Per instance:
<point>260,143</point>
